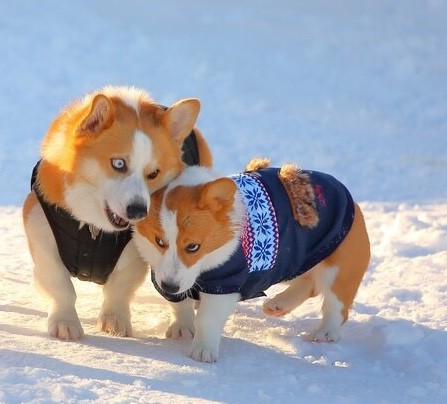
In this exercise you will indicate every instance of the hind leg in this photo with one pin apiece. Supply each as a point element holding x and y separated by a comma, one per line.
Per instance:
<point>332,308</point>
<point>338,279</point>
<point>299,290</point>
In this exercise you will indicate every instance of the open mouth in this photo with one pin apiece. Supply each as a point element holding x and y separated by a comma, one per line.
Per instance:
<point>117,221</point>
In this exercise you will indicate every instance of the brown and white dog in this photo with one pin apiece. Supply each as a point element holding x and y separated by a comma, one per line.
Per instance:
<point>101,159</point>
<point>221,240</point>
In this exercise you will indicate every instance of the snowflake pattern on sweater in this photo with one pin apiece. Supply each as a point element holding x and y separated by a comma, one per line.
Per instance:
<point>274,247</point>
<point>260,236</point>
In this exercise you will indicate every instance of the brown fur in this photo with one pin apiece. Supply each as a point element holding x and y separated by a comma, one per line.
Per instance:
<point>299,190</point>
<point>351,258</point>
<point>350,261</point>
<point>102,127</point>
<point>78,157</point>
<point>301,195</point>
<point>257,163</point>
<point>208,205</point>
<point>208,216</point>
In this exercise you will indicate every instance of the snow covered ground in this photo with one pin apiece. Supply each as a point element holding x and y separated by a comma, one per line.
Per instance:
<point>357,89</point>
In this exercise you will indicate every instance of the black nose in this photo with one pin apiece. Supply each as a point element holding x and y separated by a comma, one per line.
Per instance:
<point>136,210</point>
<point>169,287</point>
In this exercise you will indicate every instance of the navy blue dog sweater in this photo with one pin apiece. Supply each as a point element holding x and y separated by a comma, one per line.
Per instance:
<point>274,247</point>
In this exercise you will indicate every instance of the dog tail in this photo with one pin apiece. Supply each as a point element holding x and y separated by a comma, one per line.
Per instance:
<point>257,163</point>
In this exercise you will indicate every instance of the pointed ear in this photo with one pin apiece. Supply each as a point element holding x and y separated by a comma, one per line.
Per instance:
<point>99,118</point>
<point>218,195</point>
<point>180,118</point>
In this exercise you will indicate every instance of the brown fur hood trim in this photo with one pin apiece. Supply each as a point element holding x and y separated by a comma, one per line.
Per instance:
<point>298,187</point>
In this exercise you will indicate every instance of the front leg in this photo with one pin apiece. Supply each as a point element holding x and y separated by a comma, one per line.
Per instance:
<point>182,320</point>
<point>50,275</point>
<point>118,292</point>
<point>53,280</point>
<point>63,320</point>
<point>211,317</point>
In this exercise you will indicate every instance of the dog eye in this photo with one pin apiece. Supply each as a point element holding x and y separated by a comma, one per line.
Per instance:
<point>153,174</point>
<point>160,242</point>
<point>119,165</point>
<point>192,248</point>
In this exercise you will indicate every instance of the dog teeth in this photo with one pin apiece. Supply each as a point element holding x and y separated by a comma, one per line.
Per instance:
<point>116,220</point>
<point>119,220</point>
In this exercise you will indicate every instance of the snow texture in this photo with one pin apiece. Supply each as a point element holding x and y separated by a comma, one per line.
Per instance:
<point>356,89</point>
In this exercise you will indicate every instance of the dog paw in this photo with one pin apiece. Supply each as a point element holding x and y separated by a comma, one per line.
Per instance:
<point>180,331</point>
<point>67,328</point>
<point>324,335</point>
<point>201,353</point>
<point>274,308</point>
<point>115,324</point>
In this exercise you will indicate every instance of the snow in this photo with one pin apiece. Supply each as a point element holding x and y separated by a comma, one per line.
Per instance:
<point>356,89</point>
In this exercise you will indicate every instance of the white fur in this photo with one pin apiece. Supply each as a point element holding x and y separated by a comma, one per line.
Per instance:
<point>196,175</point>
<point>205,327</point>
<point>169,267</point>
<point>147,250</point>
<point>53,279</point>
<point>320,278</point>
<point>182,320</point>
<point>87,199</point>
<point>191,176</point>
<point>332,307</point>
<point>86,196</point>
<point>131,96</point>
<point>211,317</point>
<point>214,310</point>
<point>128,274</point>
<point>122,191</point>
<point>53,150</point>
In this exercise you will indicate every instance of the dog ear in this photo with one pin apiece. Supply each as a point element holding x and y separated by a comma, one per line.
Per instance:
<point>99,118</point>
<point>218,195</point>
<point>179,118</point>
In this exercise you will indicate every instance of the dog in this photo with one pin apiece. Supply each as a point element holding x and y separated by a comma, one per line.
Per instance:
<point>101,159</point>
<point>220,240</point>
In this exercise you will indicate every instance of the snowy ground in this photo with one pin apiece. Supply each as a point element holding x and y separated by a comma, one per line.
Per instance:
<point>357,89</point>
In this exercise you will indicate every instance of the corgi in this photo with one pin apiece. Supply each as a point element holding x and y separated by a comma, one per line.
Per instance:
<point>220,240</point>
<point>101,159</point>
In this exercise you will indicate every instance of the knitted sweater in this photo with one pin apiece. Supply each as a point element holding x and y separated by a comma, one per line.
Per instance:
<point>274,247</point>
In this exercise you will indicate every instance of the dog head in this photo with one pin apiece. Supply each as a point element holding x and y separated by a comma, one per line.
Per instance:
<point>104,156</point>
<point>192,227</point>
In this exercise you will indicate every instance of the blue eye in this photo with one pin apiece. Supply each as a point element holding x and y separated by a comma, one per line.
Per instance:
<point>119,164</point>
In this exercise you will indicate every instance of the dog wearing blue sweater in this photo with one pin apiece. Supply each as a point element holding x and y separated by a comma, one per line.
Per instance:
<point>219,240</point>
